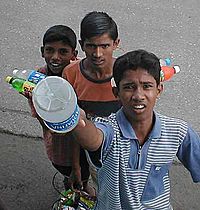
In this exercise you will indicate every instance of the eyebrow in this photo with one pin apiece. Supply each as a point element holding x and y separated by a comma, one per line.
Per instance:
<point>97,45</point>
<point>130,83</point>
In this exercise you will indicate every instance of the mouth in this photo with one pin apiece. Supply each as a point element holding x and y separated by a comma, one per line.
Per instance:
<point>139,107</point>
<point>97,61</point>
<point>55,65</point>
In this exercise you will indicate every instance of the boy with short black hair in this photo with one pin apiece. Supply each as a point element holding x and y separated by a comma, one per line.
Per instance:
<point>58,50</point>
<point>91,76</point>
<point>134,148</point>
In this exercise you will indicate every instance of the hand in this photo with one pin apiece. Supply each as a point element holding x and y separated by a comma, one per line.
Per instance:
<point>74,180</point>
<point>82,118</point>
<point>27,94</point>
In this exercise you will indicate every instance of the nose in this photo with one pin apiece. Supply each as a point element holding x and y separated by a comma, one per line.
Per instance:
<point>97,52</point>
<point>55,55</point>
<point>138,94</point>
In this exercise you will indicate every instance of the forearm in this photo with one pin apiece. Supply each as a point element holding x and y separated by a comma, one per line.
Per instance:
<point>87,135</point>
<point>75,155</point>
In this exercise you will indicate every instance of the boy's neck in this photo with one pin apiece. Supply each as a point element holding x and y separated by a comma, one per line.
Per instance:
<point>50,73</point>
<point>98,73</point>
<point>143,128</point>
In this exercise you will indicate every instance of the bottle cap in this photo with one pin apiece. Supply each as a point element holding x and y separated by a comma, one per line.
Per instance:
<point>15,71</point>
<point>8,79</point>
<point>55,102</point>
<point>168,61</point>
<point>177,69</point>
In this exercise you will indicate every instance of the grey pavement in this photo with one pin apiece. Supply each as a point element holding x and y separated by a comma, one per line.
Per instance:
<point>168,28</point>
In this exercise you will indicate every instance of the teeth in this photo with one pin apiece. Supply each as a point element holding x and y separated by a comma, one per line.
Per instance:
<point>55,64</point>
<point>139,107</point>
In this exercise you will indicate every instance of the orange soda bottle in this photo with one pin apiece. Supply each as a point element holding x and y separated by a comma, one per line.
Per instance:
<point>167,72</point>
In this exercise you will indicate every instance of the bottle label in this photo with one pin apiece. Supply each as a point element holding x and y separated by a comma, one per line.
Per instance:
<point>27,86</point>
<point>67,125</point>
<point>36,76</point>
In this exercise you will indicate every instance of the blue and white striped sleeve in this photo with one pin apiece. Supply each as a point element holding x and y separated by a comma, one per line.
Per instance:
<point>97,156</point>
<point>189,153</point>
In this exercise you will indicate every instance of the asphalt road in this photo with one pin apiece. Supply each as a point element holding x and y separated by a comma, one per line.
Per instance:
<point>168,28</point>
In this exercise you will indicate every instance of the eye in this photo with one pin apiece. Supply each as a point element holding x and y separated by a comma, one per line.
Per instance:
<point>105,46</point>
<point>64,51</point>
<point>147,86</point>
<point>91,46</point>
<point>48,50</point>
<point>129,87</point>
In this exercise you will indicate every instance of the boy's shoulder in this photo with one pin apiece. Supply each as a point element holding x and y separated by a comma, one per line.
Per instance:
<point>73,65</point>
<point>110,120</point>
<point>171,123</point>
<point>165,118</point>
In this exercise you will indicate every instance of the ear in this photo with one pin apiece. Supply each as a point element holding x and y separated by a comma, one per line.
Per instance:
<point>160,89</point>
<point>42,51</point>
<point>115,92</point>
<point>74,56</point>
<point>116,43</point>
<point>81,44</point>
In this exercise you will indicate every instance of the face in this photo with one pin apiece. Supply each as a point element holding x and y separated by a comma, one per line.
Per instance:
<point>57,55</point>
<point>138,92</point>
<point>99,50</point>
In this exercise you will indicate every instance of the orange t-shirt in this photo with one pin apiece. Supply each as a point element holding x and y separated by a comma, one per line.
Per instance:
<point>94,97</point>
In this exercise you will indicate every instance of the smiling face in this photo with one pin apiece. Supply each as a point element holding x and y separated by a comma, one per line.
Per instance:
<point>138,92</point>
<point>57,56</point>
<point>99,50</point>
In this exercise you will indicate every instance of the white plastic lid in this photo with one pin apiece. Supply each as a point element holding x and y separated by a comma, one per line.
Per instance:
<point>54,99</point>
<point>177,69</point>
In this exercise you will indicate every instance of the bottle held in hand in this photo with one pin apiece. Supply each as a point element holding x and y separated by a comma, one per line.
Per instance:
<point>55,102</point>
<point>30,75</point>
<point>20,85</point>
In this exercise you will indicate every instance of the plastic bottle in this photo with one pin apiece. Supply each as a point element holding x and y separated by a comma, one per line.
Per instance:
<point>20,85</point>
<point>165,62</point>
<point>55,102</point>
<point>30,75</point>
<point>167,72</point>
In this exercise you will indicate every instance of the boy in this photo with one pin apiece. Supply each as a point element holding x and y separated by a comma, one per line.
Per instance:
<point>58,50</point>
<point>134,148</point>
<point>91,76</point>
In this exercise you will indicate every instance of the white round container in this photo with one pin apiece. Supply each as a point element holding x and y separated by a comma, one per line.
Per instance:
<point>55,102</point>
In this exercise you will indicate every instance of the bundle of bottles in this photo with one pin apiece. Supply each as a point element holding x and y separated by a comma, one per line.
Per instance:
<point>26,80</point>
<point>74,200</point>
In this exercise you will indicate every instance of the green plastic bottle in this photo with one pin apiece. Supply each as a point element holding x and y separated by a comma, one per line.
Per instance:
<point>20,85</point>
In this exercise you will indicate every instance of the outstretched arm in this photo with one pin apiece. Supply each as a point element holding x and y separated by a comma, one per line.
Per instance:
<point>86,133</point>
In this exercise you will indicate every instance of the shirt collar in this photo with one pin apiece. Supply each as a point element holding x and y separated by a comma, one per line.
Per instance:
<point>129,133</point>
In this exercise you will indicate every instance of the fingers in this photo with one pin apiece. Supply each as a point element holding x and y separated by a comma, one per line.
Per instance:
<point>27,94</point>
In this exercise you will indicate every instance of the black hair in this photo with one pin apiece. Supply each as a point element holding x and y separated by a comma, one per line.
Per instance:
<point>60,33</point>
<point>134,60</point>
<point>96,24</point>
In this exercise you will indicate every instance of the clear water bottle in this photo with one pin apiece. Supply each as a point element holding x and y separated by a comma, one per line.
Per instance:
<point>19,84</point>
<point>165,62</point>
<point>30,75</point>
<point>55,102</point>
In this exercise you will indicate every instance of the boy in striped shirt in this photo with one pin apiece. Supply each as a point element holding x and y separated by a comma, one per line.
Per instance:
<point>134,148</point>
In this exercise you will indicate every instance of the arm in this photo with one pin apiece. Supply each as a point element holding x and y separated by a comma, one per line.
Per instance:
<point>75,176</point>
<point>189,154</point>
<point>86,133</point>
